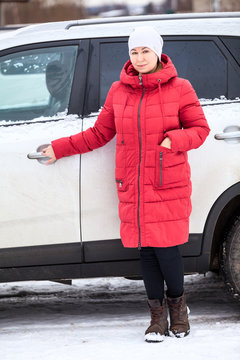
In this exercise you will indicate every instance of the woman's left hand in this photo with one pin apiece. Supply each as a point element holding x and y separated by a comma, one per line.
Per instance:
<point>48,152</point>
<point>166,143</point>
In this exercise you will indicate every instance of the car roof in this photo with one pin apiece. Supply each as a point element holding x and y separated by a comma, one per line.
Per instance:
<point>227,24</point>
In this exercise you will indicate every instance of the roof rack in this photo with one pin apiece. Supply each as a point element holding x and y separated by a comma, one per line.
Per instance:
<point>126,19</point>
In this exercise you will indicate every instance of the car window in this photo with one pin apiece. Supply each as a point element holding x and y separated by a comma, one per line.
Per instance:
<point>200,61</point>
<point>113,57</point>
<point>36,82</point>
<point>233,45</point>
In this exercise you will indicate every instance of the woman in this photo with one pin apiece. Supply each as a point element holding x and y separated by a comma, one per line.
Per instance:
<point>157,118</point>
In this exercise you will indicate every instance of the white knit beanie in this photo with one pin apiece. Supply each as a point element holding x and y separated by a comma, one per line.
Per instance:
<point>146,36</point>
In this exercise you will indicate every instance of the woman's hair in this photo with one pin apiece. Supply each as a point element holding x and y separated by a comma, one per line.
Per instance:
<point>159,65</point>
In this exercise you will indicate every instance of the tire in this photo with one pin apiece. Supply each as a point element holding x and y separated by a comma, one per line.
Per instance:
<point>230,258</point>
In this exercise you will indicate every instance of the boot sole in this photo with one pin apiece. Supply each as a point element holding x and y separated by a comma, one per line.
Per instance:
<point>179,335</point>
<point>154,338</point>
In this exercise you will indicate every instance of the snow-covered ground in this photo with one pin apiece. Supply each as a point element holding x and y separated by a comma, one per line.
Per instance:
<point>105,318</point>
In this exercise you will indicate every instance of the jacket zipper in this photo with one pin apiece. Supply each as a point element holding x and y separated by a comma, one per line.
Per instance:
<point>160,168</point>
<point>139,167</point>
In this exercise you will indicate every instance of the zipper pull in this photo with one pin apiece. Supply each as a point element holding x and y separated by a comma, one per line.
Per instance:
<point>120,183</point>
<point>140,80</point>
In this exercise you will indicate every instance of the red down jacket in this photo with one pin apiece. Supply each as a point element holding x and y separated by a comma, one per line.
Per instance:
<point>153,182</point>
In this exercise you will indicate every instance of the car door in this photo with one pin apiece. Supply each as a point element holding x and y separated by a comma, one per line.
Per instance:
<point>39,204</point>
<point>99,202</point>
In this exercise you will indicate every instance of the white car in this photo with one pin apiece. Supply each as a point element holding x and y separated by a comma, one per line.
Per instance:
<point>61,221</point>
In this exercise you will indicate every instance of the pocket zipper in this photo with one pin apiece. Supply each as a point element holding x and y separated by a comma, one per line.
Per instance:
<point>120,183</point>
<point>160,168</point>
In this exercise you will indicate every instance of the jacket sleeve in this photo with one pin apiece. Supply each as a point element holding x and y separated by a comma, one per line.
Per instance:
<point>93,138</point>
<point>195,128</point>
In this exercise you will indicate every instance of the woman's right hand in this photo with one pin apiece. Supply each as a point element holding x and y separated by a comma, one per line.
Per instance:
<point>48,152</point>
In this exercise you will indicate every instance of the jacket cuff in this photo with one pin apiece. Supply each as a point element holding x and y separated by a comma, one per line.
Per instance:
<point>177,138</point>
<point>60,148</point>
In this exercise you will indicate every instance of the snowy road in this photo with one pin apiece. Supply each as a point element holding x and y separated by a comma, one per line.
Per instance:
<point>105,319</point>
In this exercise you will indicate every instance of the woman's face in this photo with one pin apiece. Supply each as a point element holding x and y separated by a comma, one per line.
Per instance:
<point>144,60</point>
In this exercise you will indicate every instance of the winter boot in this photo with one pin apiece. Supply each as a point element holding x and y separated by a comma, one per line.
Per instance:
<point>159,323</point>
<point>179,325</point>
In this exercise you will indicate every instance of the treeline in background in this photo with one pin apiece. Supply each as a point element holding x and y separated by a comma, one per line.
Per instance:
<point>37,11</point>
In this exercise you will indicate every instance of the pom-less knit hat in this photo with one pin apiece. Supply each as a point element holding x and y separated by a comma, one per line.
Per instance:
<point>146,36</point>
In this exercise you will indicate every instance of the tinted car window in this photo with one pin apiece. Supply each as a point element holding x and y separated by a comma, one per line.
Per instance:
<point>199,61</point>
<point>202,63</point>
<point>36,82</point>
<point>112,58</point>
<point>233,45</point>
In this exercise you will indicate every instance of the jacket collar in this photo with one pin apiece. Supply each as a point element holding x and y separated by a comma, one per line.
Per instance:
<point>130,77</point>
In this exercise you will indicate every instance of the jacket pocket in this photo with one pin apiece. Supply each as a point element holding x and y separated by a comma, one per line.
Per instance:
<point>120,169</point>
<point>170,169</point>
<point>120,179</point>
<point>121,184</point>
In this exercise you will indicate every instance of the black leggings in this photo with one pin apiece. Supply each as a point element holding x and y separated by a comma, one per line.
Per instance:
<point>159,264</point>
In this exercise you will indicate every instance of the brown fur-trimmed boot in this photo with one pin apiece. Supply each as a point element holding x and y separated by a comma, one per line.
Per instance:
<point>179,325</point>
<point>159,324</point>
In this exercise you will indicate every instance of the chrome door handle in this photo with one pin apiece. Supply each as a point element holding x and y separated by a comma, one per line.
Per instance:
<point>37,155</point>
<point>228,135</point>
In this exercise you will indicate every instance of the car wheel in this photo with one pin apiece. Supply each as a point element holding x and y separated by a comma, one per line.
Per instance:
<point>230,258</point>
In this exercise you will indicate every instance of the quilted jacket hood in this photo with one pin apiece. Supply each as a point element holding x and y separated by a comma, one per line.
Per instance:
<point>129,75</point>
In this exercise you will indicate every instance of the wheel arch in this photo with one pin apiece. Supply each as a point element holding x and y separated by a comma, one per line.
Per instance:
<point>223,210</point>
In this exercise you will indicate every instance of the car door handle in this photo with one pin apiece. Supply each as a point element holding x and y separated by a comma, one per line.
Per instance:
<point>36,155</point>
<point>228,135</point>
